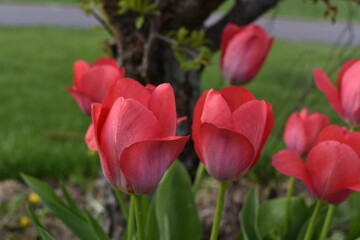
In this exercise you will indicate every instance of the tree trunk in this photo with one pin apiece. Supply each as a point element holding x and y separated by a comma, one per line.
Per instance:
<point>148,59</point>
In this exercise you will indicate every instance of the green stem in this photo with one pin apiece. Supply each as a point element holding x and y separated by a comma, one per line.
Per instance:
<point>219,208</point>
<point>139,217</point>
<point>311,226</point>
<point>130,228</point>
<point>289,194</point>
<point>329,215</point>
<point>120,199</point>
<point>199,175</point>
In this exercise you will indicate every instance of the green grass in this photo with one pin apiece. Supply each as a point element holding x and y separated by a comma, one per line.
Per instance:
<point>307,9</point>
<point>41,1</point>
<point>285,77</point>
<point>41,126</point>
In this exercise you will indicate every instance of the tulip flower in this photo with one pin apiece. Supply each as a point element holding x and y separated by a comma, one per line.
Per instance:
<point>230,128</point>
<point>243,52</point>
<point>345,100</point>
<point>332,168</point>
<point>134,129</point>
<point>302,129</point>
<point>92,82</point>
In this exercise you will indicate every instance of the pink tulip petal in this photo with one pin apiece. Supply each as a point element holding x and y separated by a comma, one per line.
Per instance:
<point>162,104</point>
<point>236,96</point>
<point>198,110</point>
<point>181,119</point>
<point>80,68</point>
<point>126,88</point>
<point>82,100</point>
<point>314,124</point>
<point>97,81</point>
<point>105,61</point>
<point>332,132</point>
<point>228,33</point>
<point>353,140</point>
<point>333,167</point>
<point>144,163</point>
<point>324,84</point>
<point>90,139</point>
<point>295,136</point>
<point>216,111</point>
<point>289,163</point>
<point>350,90</point>
<point>343,70</point>
<point>226,154</point>
<point>250,120</point>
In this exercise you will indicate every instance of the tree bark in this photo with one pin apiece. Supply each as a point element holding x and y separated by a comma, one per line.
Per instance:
<point>148,59</point>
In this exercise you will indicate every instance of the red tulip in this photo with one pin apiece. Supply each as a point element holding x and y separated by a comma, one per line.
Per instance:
<point>90,139</point>
<point>345,100</point>
<point>302,129</point>
<point>332,168</point>
<point>92,82</point>
<point>230,128</point>
<point>134,129</point>
<point>243,52</point>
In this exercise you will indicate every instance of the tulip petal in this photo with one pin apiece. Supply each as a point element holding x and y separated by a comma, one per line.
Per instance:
<point>289,163</point>
<point>198,110</point>
<point>97,81</point>
<point>82,100</point>
<point>295,136</point>
<point>225,154</point>
<point>314,124</point>
<point>324,84</point>
<point>333,167</point>
<point>162,104</point>
<point>228,33</point>
<point>350,89</point>
<point>80,68</point>
<point>105,61</point>
<point>144,163</point>
<point>90,139</point>
<point>250,120</point>
<point>236,96</point>
<point>126,88</point>
<point>332,132</point>
<point>216,111</point>
<point>343,70</point>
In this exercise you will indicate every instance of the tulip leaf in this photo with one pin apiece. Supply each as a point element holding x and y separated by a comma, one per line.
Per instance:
<point>175,206</point>
<point>44,234</point>
<point>353,210</point>
<point>272,220</point>
<point>318,225</point>
<point>77,223</point>
<point>95,226</point>
<point>249,216</point>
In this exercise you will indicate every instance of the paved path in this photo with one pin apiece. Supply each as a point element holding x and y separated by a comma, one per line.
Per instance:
<point>72,16</point>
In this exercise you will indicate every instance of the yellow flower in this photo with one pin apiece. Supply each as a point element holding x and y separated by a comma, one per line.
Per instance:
<point>33,198</point>
<point>24,222</point>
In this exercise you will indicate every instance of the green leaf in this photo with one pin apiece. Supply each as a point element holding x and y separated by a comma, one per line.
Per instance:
<point>249,216</point>
<point>272,221</point>
<point>139,22</point>
<point>77,224</point>
<point>44,234</point>
<point>34,219</point>
<point>176,211</point>
<point>95,226</point>
<point>151,226</point>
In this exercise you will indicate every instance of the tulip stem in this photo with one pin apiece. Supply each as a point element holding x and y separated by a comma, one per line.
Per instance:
<point>139,217</point>
<point>311,226</point>
<point>120,199</point>
<point>130,227</point>
<point>199,175</point>
<point>219,208</point>
<point>328,218</point>
<point>289,194</point>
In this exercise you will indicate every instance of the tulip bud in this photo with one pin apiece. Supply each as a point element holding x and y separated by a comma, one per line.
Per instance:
<point>243,52</point>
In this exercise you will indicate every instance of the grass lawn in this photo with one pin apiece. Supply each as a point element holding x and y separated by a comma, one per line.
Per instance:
<point>42,128</point>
